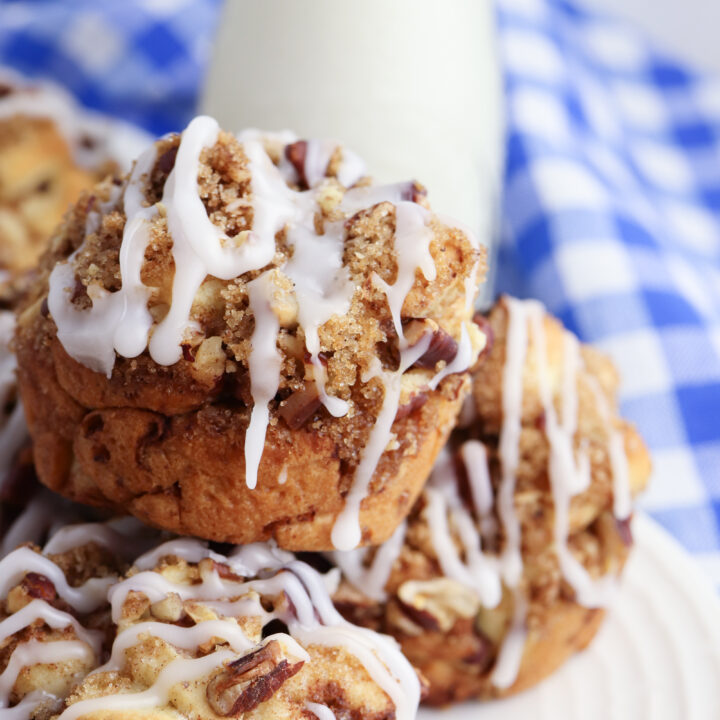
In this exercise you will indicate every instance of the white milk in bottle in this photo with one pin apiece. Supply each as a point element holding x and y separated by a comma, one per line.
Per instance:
<point>412,86</point>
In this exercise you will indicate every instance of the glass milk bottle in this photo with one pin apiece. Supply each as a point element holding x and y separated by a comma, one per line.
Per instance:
<point>412,86</point>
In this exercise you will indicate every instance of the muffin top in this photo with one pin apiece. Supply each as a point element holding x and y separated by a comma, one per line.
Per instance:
<point>269,274</point>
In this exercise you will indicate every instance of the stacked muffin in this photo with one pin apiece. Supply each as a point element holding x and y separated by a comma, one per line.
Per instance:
<point>247,341</point>
<point>50,151</point>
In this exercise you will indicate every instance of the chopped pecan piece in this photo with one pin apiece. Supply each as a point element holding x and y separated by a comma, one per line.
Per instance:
<point>166,162</point>
<point>442,346</point>
<point>300,406</point>
<point>38,586</point>
<point>421,618</point>
<point>251,680</point>
<point>413,191</point>
<point>416,402</point>
<point>296,153</point>
<point>436,604</point>
<point>169,609</point>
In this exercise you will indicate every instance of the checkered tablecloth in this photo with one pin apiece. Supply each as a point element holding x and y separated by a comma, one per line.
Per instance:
<point>141,60</point>
<point>611,208</point>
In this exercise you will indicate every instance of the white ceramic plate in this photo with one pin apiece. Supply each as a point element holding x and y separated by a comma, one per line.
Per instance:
<point>657,657</point>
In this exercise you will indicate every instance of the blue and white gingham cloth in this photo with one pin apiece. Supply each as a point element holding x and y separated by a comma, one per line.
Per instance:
<point>141,60</point>
<point>612,217</point>
<point>612,196</point>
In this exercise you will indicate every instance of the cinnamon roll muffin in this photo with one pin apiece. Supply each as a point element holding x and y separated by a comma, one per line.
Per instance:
<point>183,631</point>
<point>246,339</point>
<point>50,151</point>
<point>513,550</point>
<point>54,618</point>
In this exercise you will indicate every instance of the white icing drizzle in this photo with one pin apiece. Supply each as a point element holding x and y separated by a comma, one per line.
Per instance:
<point>36,652</point>
<point>318,154</point>
<point>509,443</point>
<point>186,638</point>
<point>323,289</point>
<point>249,606</point>
<point>379,654</point>
<point>310,616</point>
<point>310,600</point>
<point>200,248</point>
<point>371,579</point>
<point>188,549</point>
<point>283,476</point>
<point>563,471</point>
<point>352,168</point>
<point>512,649</point>
<point>264,365</point>
<point>478,571</point>
<point>52,617</point>
<point>254,558</point>
<point>115,321</point>
<point>474,457</point>
<point>321,712</point>
<point>25,708</point>
<point>346,533</point>
<point>7,358</point>
<point>18,563</point>
<point>131,335</point>
<point>466,355</point>
<point>125,541</point>
<point>622,497</point>
<point>582,477</point>
<point>412,252</point>
<point>412,247</point>
<point>317,158</point>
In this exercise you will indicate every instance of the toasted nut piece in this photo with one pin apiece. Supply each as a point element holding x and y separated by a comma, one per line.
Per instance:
<point>251,680</point>
<point>38,586</point>
<point>414,403</point>
<point>209,363</point>
<point>283,302</point>
<point>494,623</point>
<point>414,192</point>
<point>33,586</point>
<point>443,599</point>
<point>166,162</point>
<point>296,153</point>
<point>413,392</point>
<point>329,197</point>
<point>169,609</point>
<point>135,606</point>
<point>442,346</point>
<point>300,406</point>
